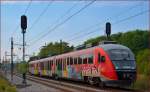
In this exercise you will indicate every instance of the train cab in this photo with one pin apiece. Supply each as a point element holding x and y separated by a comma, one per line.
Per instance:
<point>117,64</point>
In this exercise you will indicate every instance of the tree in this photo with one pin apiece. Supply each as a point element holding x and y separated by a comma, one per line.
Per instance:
<point>143,61</point>
<point>23,67</point>
<point>54,49</point>
<point>136,40</point>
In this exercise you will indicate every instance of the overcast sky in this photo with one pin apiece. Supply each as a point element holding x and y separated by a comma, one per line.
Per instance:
<point>44,16</point>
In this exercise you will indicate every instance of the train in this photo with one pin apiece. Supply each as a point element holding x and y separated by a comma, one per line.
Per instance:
<point>105,64</point>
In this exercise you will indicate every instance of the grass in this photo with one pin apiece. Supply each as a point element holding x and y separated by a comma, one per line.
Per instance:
<point>142,83</point>
<point>5,86</point>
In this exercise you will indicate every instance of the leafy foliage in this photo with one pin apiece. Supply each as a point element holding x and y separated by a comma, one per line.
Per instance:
<point>5,86</point>
<point>136,40</point>
<point>143,62</point>
<point>54,49</point>
<point>22,67</point>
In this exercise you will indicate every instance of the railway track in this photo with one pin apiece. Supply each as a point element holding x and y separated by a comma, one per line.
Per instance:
<point>73,86</point>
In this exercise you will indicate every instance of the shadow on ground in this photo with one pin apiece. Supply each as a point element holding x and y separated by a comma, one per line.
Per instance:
<point>23,85</point>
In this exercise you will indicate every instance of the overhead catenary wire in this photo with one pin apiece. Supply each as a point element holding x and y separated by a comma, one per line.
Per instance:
<point>18,24</point>
<point>41,14</point>
<point>28,7</point>
<point>63,22</point>
<point>60,18</point>
<point>116,22</point>
<point>111,17</point>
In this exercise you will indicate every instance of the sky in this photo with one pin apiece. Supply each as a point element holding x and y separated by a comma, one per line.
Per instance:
<point>46,21</point>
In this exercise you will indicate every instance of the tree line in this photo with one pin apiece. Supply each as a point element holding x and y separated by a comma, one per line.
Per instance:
<point>136,40</point>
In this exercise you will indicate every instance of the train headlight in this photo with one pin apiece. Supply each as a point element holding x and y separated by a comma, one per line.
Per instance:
<point>132,67</point>
<point>117,67</point>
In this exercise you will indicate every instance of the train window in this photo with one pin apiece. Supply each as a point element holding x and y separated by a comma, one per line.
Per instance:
<point>99,57</point>
<point>75,60</point>
<point>65,64</point>
<point>68,61</point>
<point>71,60</point>
<point>90,59</point>
<point>103,59</point>
<point>61,63</point>
<point>48,64</point>
<point>85,60</point>
<point>79,60</point>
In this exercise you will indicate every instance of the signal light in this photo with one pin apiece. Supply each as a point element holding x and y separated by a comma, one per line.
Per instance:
<point>108,29</point>
<point>23,22</point>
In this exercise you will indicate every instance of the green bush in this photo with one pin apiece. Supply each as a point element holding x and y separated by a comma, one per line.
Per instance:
<point>142,83</point>
<point>143,67</point>
<point>5,86</point>
<point>143,62</point>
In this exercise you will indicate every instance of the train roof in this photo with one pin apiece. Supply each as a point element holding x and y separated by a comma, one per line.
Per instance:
<point>112,46</point>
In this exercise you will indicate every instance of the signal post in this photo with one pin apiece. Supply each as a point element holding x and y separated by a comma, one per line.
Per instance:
<point>24,27</point>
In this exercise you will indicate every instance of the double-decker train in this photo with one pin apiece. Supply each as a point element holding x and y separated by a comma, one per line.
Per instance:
<point>107,63</point>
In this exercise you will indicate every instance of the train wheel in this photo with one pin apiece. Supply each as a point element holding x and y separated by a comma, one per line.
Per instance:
<point>55,76</point>
<point>92,80</point>
<point>101,84</point>
<point>85,79</point>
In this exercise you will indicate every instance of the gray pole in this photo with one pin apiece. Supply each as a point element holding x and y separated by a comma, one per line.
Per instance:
<point>23,45</point>
<point>12,59</point>
<point>24,74</point>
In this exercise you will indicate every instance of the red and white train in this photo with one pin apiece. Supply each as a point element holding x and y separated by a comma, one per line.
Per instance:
<point>104,64</point>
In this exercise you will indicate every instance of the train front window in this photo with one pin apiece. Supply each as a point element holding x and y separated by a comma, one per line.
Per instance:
<point>122,58</point>
<point>120,54</point>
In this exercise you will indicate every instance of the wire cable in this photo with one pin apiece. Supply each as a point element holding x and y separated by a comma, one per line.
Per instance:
<point>27,8</point>
<point>61,17</point>
<point>41,14</point>
<point>63,22</point>
<point>119,21</point>
<point>111,17</point>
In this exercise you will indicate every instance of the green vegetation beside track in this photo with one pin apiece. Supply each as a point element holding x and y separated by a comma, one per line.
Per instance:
<point>5,86</point>
<point>143,68</point>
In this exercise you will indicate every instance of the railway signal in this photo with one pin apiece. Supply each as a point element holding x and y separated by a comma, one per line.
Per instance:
<point>24,27</point>
<point>23,23</point>
<point>108,30</point>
